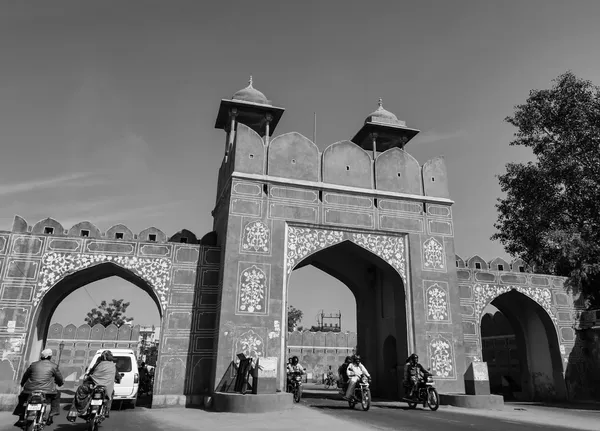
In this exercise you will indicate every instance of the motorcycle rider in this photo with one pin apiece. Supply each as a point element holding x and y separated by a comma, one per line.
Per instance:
<point>103,373</point>
<point>343,374</point>
<point>43,376</point>
<point>411,376</point>
<point>294,367</point>
<point>355,371</point>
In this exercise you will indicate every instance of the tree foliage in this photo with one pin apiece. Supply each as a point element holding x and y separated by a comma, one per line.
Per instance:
<point>550,216</point>
<point>109,313</point>
<point>294,317</point>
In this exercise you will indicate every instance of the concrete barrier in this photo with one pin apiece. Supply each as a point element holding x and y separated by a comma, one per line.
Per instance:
<point>484,402</point>
<point>261,403</point>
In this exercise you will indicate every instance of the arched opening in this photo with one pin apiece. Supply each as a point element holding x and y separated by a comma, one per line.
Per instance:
<point>80,341</point>
<point>520,345</point>
<point>379,295</point>
<point>390,365</point>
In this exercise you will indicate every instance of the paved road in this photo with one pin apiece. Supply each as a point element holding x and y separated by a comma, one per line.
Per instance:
<point>386,417</point>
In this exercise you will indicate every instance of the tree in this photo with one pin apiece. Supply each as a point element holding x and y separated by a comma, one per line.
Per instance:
<point>550,216</point>
<point>294,317</point>
<point>109,313</point>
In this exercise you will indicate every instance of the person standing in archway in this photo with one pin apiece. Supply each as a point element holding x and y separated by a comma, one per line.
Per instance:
<point>42,376</point>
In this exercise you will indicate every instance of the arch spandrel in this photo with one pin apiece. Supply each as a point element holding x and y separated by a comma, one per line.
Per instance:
<point>302,242</point>
<point>56,266</point>
<point>484,294</point>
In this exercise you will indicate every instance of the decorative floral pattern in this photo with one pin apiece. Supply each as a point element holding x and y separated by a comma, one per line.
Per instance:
<point>389,248</point>
<point>486,293</point>
<point>252,290</point>
<point>56,266</point>
<point>250,344</point>
<point>437,303</point>
<point>433,255</point>
<point>302,242</point>
<point>256,237</point>
<point>441,354</point>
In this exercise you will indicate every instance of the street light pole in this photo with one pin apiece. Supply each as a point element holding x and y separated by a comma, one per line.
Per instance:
<point>61,346</point>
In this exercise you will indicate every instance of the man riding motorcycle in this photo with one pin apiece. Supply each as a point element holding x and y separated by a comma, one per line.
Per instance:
<point>294,367</point>
<point>411,376</point>
<point>343,374</point>
<point>43,376</point>
<point>103,373</point>
<point>355,371</point>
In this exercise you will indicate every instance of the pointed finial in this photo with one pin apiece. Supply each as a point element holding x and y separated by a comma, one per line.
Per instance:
<point>250,81</point>
<point>380,103</point>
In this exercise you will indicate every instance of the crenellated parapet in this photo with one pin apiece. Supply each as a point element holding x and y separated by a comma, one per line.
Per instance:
<point>496,265</point>
<point>86,229</point>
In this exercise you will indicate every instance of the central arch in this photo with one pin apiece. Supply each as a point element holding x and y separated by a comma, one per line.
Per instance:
<point>373,267</point>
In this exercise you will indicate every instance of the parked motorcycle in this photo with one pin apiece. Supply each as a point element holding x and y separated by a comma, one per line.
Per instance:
<point>362,394</point>
<point>295,386</point>
<point>97,408</point>
<point>37,412</point>
<point>426,393</point>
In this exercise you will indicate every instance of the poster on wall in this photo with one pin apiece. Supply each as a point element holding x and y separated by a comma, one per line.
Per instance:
<point>267,367</point>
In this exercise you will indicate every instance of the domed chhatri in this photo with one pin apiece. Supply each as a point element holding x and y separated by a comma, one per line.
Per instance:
<point>382,115</point>
<point>251,94</point>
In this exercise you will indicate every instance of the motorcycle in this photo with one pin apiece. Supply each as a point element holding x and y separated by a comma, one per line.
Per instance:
<point>362,394</point>
<point>97,409</point>
<point>426,393</point>
<point>37,412</point>
<point>330,381</point>
<point>295,386</point>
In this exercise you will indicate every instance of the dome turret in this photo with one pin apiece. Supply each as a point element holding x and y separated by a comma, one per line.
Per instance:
<point>382,115</point>
<point>251,94</point>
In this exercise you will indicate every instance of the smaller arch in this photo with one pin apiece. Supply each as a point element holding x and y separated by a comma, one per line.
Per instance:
<point>152,234</point>
<point>19,225</point>
<point>460,263</point>
<point>86,229</point>
<point>184,236</point>
<point>345,163</point>
<point>42,227</point>
<point>476,262</point>
<point>498,264</point>
<point>398,171</point>
<point>120,231</point>
<point>435,178</point>
<point>83,332</point>
<point>294,156</point>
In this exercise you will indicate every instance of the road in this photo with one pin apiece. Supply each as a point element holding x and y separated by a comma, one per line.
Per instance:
<point>383,416</point>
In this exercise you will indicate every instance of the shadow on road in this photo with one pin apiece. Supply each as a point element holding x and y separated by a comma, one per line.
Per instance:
<point>565,405</point>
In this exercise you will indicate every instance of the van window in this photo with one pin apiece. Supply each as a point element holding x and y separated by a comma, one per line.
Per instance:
<point>123,364</point>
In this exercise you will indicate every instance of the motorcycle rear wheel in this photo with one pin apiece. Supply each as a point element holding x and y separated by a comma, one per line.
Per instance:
<point>93,423</point>
<point>433,399</point>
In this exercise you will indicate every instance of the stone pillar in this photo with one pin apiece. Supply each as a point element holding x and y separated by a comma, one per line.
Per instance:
<point>477,381</point>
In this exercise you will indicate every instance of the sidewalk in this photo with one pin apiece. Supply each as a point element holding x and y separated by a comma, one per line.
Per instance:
<point>296,419</point>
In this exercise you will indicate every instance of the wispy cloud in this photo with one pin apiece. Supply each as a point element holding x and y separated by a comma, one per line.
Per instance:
<point>432,136</point>
<point>45,183</point>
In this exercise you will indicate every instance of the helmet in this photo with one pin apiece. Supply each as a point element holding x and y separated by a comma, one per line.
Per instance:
<point>294,360</point>
<point>414,358</point>
<point>356,358</point>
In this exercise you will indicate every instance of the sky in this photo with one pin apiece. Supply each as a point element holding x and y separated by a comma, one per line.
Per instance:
<point>107,108</point>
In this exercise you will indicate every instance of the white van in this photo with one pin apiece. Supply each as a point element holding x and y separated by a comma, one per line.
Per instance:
<point>127,366</point>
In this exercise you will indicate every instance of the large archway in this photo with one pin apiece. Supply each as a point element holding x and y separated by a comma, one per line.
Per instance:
<point>381,301</point>
<point>521,343</point>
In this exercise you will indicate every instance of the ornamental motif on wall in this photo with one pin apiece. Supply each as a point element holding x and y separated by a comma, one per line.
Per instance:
<point>433,255</point>
<point>389,248</point>
<point>442,357</point>
<point>484,294</point>
<point>250,344</point>
<point>437,304</point>
<point>302,242</point>
<point>252,290</point>
<point>256,237</point>
<point>55,266</point>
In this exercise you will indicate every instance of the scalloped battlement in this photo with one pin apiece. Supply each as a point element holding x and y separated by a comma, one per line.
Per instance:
<point>50,226</point>
<point>496,264</point>
<point>294,157</point>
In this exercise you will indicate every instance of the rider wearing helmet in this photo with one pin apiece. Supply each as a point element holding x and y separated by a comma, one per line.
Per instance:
<point>42,376</point>
<point>294,367</point>
<point>355,371</point>
<point>411,377</point>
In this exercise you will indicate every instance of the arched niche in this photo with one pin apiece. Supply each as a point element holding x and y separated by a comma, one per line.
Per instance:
<point>346,164</point>
<point>19,225</point>
<point>476,262</point>
<point>293,156</point>
<point>48,226</point>
<point>518,265</point>
<point>499,264</point>
<point>460,263</point>
<point>152,234</point>
<point>249,152</point>
<point>184,236</point>
<point>398,171</point>
<point>86,229</point>
<point>435,178</point>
